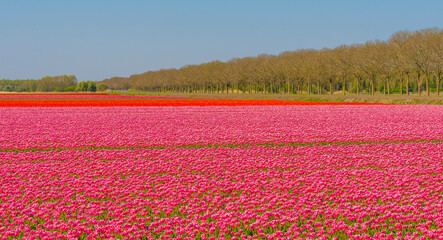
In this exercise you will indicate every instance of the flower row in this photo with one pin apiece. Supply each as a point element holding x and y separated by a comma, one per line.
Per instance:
<point>116,127</point>
<point>354,191</point>
<point>70,96</point>
<point>137,101</point>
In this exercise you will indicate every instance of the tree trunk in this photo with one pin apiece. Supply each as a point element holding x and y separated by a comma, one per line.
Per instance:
<point>287,86</point>
<point>427,85</point>
<point>330,88</point>
<point>318,87</point>
<point>291,87</point>
<point>372,87</point>
<point>407,84</point>
<point>389,89</point>
<point>401,86</point>
<point>418,85</point>
<point>384,87</point>
<point>438,84</point>
<point>344,86</point>
<point>358,90</point>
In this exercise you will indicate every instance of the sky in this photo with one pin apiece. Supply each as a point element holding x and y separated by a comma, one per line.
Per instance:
<point>98,39</point>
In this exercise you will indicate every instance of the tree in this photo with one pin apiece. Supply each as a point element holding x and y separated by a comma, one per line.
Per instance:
<point>343,64</point>
<point>436,58</point>
<point>421,55</point>
<point>81,87</point>
<point>91,87</point>
<point>399,43</point>
<point>387,65</point>
<point>102,87</point>
<point>376,65</point>
<point>357,60</point>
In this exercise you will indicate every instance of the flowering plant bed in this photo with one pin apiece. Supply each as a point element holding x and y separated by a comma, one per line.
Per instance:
<point>219,169</point>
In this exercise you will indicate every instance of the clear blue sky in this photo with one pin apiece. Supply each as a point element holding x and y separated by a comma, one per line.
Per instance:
<point>98,39</point>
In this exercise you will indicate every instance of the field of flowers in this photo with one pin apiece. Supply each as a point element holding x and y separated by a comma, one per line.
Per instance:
<point>218,169</point>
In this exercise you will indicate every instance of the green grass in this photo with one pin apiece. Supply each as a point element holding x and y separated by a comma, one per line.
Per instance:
<point>228,145</point>
<point>361,98</point>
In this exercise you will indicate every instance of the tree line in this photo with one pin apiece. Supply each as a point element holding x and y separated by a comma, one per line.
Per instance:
<point>409,62</point>
<point>61,83</point>
<point>46,84</point>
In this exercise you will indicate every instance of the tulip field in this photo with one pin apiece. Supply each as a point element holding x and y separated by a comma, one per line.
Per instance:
<point>86,166</point>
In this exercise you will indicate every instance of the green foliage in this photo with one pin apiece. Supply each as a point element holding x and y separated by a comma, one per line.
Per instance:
<point>69,89</point>
<point>28,85</point>
<point>81,87</point>
<point>50,84</point>
<point>88,86</point>
<point>91,86</point>
<point>102,87</point>
<point>47,84</point>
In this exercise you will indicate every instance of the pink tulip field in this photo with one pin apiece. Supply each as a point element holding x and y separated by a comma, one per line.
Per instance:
<point>222,172</point>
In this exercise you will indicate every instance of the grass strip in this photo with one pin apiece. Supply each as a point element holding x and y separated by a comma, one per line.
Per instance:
<point>228,145</point>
